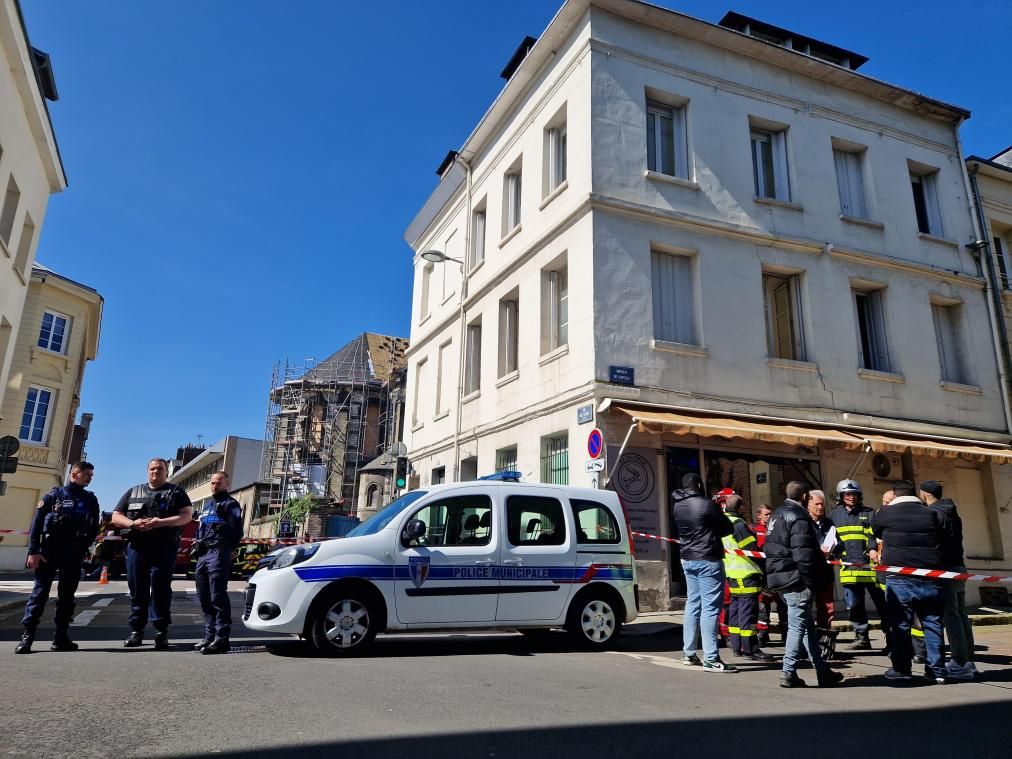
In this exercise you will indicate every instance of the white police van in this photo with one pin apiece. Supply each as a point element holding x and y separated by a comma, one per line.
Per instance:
<point>482,555</point>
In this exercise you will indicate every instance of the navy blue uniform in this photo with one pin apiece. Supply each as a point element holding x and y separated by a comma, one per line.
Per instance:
<point>219,533</point>
<point>151,556</point>
<point>64,526</point>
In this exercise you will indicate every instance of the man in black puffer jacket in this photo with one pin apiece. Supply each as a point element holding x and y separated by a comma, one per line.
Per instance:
<point>796,567</point>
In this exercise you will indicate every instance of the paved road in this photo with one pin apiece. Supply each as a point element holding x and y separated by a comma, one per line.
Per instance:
<point>463,695</point>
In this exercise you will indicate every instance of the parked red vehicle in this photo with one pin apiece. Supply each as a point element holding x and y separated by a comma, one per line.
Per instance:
<point>185,544</point>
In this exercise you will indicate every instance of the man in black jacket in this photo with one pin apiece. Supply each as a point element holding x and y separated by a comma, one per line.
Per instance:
<point>797,568</point>
<point>698,524</point>
<point>914,535</point>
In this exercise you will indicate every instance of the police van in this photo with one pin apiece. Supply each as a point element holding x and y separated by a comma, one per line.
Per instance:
<point>483,555</point>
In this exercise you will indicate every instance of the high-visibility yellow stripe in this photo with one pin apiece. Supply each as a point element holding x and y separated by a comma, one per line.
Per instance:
<point>746,633</point>
<point>747,541</point>
<point>850,528</point>
<point>734,630</point>
<point>916,633</point>
<point>744,591</point>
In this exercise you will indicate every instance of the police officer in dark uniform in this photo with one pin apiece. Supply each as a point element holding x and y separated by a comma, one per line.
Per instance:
<point>219,533</point>
<point>153,514</point>
<point>65,524</point>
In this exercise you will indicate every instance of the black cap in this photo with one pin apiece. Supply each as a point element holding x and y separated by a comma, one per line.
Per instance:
<point>932,488</point>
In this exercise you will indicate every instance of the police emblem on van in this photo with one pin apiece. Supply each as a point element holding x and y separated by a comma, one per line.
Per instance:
<point>418,567</point>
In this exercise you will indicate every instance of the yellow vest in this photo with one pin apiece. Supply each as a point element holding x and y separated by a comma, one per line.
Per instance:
<point>735,566</point>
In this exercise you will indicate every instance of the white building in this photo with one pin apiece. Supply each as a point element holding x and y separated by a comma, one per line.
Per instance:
<point>239,457</point>
<point>745,257</point>
<point>30,168</point>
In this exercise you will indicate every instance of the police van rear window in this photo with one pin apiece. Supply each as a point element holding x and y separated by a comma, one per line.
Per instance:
<point>594,522</point>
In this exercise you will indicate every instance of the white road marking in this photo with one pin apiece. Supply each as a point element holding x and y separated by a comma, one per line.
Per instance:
<point>102,602</point>
<point>85,617</point>
<point>660,661</point>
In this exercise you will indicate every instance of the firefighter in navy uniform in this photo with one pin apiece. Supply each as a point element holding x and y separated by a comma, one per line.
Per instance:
<point>745,579</point>
<point>152,516</point>
<point>857,545</point>
<point>219,533</point>
<point>63,528</point>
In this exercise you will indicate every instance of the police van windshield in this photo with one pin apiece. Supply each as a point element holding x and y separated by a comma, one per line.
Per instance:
<point>383,517</point>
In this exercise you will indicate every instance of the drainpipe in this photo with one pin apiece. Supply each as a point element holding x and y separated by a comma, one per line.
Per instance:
<point>992,290</point>
<point>463,325</point>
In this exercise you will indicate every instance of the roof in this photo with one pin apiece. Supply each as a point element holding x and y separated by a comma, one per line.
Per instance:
<point>45,271</point>
<point>382,463</point>
<point>776,35</point>
<point>367,358</point>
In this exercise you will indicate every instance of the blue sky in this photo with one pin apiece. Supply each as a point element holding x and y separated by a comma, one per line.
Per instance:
<point>241,174</point>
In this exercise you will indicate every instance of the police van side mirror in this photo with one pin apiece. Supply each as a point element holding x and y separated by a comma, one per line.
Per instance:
<point>413,530</point>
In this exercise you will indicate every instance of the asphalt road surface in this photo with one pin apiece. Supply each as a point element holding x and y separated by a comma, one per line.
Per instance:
<point>492,695</point>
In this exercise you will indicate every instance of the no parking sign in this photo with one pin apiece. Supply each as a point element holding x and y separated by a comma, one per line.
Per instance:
<point>595,443</point>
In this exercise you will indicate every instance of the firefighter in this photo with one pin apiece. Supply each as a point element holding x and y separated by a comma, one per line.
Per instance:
<point>857,545</point>
<point>745,578</point>
<point>722,632</point>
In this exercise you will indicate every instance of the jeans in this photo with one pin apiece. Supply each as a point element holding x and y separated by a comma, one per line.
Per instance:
<point>957,623</point>
<point>704,583</point>
<point>925,598</point>
<point>801,630</point>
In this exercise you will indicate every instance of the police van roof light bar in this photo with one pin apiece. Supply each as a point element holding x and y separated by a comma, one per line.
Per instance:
<point>503,477</point>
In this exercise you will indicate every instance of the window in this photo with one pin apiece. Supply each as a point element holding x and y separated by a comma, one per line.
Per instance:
<point>873,352</point>
<point>555,139</point>
<point>10,208</point>
<point>671,277</point>
<point>438,475</point>
<point>555,309</point>
<point>511,199</point>
<point>951,348</point>
<point>477,253</point>
<point>472,367</point>
<point>782,294</point>
<point>555,459</point>
<point>1001,253</point>
<point>508,342</point>
<point>850,183</point>
<point>420,369</point>
<point>506,459</point>
<point>929,221</point>
<point>594,522</point>
<point>461,521</point>
<point>426,289</point>
<point>53,334</point>
<point>448,273</point>
<point>535,521</point>
<point>441,383</point>
<point>667,143</point>
<point>25,245</point>
<point>35,419</point>
<point>769,164</point>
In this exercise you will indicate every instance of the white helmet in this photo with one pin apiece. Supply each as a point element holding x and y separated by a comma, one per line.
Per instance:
<point>847,486</point>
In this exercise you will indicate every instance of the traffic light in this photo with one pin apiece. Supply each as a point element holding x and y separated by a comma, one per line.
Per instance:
<point>401,476</point>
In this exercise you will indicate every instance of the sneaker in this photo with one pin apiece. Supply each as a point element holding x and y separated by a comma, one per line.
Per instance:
<point>718,666</point>
<point>759,655</point>
<point>691,660</point>
<point>829,678</point>
<point>963,673</point>
<point>892,674</point>
<point>791,681</point>
<point>934,679</point>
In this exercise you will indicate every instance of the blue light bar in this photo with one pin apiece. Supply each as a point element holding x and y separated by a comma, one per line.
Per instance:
<point>503,477</point>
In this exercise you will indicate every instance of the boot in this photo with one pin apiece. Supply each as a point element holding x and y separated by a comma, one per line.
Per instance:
<point>217,646</point>
<point>829,678</point>
<point>25,644</point>
<point>135,640</point>
<point>161,641</point>
<point>861,642</point>
<point>203,644</point>
<point>62,642</point>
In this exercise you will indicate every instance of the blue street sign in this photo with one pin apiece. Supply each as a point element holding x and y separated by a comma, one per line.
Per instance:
<point>621,375</point>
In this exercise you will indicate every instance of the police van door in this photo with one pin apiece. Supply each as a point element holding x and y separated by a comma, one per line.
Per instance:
<point>538,556</point>
<point>449,574</point>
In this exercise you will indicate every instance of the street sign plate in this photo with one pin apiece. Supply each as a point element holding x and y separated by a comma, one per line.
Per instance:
<point>595,443</point>
<point>622,375</point>
<point>585,414</point>
<point>594,465</point>
<point>9,445</point>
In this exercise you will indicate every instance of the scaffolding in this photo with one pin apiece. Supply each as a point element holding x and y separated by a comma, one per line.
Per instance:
<point>325,420</point>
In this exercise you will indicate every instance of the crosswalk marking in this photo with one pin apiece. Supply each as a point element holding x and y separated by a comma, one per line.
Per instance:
<point>102,602</point>
<point>85,617</point>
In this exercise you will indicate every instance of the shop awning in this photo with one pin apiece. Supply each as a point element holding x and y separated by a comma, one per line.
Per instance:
<point>771,431</point>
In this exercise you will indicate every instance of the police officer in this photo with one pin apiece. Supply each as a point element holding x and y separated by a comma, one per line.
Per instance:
<point>219,533</point>
<point>153,514</point>
<point>857,545</point>
<point>63,528</point>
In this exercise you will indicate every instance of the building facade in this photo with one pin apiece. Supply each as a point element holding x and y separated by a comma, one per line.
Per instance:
<point>30,169</point>
<point>728,250</point>
<point>239,457</point>
<point>58,336</point>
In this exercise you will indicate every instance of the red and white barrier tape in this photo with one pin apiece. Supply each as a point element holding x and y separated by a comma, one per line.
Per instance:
<point>935,574</point>
<point>244,541</point>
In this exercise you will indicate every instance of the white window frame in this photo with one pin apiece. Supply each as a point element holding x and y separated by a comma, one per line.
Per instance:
<point>416,415</point>
<point>678,145</point>
<point>556,312</point>
<point>478,225</point>
<point>773,282</point>
<point>425,307</point>
<point>509,342</point>
<point>512,195</point>
<point>47,420</point>
<point>556,143</point>
<point>872,343</point>
<point>849,166</point>
<point>673,298</point>
<point>928,181</point>
<point>9,210</point>
<point>472,359</point>
<point>21,260</point>
<point>952,358</point>
<point>1001,253</point>
<point>66,332</point>
<point>441,365</point>
<point>777,159</point>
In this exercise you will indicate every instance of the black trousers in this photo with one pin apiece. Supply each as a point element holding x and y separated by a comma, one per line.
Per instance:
<point>211,575</point>
<point>69,568</point>
<point>742,616</point>
<point>149,577</point>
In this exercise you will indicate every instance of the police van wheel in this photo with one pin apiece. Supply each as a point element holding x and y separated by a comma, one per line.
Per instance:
<point>344,626</point>
<point>593,621</point>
